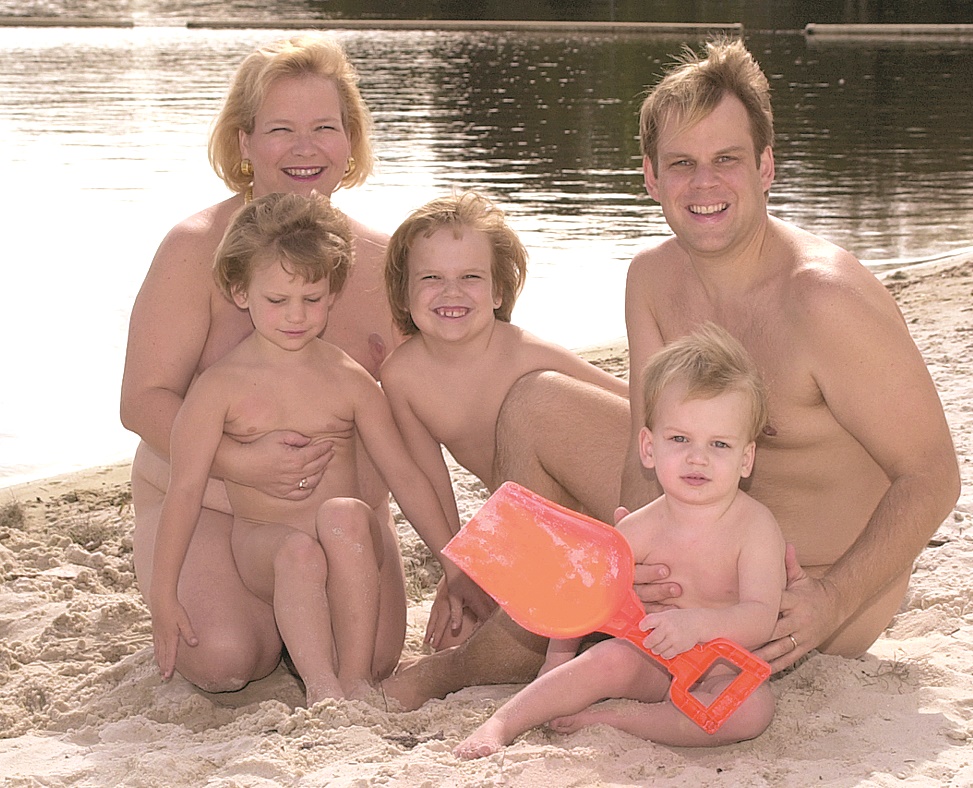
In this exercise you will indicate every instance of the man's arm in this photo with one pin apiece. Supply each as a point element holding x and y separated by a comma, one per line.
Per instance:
<point>874,381</point>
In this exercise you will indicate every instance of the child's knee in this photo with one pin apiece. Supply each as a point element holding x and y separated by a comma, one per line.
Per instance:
<point>301,552</point>
<point>346,521</point>
<point>619,662</point>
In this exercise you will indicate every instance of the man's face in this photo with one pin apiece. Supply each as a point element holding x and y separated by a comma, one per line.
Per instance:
<point>709,182</point>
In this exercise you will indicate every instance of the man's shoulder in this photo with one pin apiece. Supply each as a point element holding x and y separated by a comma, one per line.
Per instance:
<point>659,252</point>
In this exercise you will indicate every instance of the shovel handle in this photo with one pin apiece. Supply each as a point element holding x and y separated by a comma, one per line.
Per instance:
<point>690,666</point>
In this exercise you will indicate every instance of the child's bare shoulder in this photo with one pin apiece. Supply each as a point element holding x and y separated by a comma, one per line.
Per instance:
<point>755,519</point>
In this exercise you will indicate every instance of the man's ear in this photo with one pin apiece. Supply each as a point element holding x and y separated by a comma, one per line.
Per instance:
<point>651,181</point>
<point>767,169</point>
<point>646,448</point>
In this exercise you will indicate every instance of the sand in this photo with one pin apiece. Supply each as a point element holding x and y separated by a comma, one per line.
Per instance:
<point>81,703</point>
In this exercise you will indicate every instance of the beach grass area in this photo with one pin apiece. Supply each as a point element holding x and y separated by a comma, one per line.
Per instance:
<point>81,702</point>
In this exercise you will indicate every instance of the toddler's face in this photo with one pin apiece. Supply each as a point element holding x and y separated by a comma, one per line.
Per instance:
<point>699,448</point>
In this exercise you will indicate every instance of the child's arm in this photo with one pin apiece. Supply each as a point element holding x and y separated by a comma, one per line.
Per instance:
<point>567,362</point>
<point>428,455</point>
<point>196,434</point>
<point>423,448</point>
<point>750,622</point>
<point>414,493</point>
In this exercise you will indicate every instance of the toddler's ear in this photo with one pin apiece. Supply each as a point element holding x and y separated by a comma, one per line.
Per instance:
<point>749,453</point>
<point>646,448</point>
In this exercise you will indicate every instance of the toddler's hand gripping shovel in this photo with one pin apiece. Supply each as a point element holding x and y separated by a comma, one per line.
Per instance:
<point>561,574</point>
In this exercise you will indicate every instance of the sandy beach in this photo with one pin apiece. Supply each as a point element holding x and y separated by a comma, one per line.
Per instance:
<point>81,702</point>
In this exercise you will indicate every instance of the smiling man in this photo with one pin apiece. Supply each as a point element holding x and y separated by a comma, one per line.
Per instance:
<point>856,463</point>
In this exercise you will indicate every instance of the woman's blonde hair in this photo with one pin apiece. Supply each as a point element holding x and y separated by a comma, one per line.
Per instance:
<point>304,55</point>
<point>457,211</point>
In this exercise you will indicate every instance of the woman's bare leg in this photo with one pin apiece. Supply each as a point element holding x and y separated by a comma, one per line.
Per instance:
<point>238,638</point>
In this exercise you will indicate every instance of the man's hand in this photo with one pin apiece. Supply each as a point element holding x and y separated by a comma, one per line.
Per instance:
<point>808,616</point>
<point>650,581</point>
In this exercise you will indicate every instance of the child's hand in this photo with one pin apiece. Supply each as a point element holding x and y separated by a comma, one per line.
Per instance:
<point>672,632</point>
<point>463,592</point>
<point>439,616</point>
<point>170,623</point>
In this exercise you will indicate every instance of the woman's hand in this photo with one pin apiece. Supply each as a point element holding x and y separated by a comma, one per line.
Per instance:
<point>284,464</point>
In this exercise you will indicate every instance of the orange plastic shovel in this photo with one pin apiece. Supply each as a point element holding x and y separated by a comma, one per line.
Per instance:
<point>561,574</point>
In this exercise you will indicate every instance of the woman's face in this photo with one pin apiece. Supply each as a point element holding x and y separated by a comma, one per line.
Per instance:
<point>298,143</point>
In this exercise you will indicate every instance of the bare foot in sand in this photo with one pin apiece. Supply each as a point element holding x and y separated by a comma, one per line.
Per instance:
<point>401,693</point>
<point>575,722</point>
<point>324,690</point>
<point>489,738</point>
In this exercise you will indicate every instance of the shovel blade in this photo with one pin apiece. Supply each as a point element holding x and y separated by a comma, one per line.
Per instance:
<point>555,572</point>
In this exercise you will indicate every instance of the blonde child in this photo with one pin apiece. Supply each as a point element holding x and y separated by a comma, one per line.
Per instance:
<point>704,407</point>
<point>328,568</point>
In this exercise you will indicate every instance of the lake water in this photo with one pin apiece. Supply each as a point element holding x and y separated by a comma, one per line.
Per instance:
<point>104,138</point>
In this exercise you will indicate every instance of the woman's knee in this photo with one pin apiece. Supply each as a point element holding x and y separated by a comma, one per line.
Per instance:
<point>227,660</point>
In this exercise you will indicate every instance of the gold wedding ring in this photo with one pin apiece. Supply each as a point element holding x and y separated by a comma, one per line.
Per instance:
<point>792,640</point>
<point>302,485</point>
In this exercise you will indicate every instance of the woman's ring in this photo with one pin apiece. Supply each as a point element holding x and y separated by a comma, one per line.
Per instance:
<point>792,640</point>
<point>302,485</point>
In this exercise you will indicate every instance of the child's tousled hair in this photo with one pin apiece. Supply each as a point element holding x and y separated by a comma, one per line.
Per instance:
<point>708,362</point>
<point>458,211</point>
<point>307,235</point>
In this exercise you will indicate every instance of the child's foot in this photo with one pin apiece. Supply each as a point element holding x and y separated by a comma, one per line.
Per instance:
<point>485,740</point>
<point>324,690</point>
<point>357,689</point>
<point>575,722</point>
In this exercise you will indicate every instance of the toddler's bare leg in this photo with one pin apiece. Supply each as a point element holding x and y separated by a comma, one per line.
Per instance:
<point>608,669</point>
<point>353,543</point>
<point>659,720</point>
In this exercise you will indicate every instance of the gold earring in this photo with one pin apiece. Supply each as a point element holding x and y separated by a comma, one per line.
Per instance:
<point>246,167</point>
<point>350,166</point>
